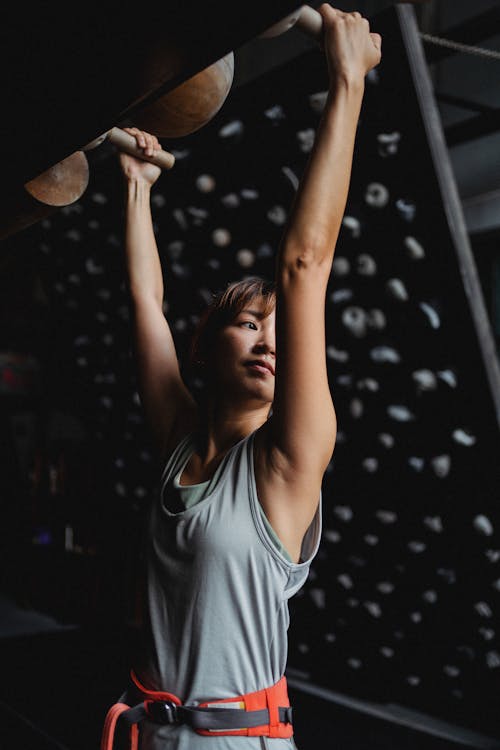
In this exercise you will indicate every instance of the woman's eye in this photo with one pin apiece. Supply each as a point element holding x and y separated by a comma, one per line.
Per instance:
<point>250,324</point>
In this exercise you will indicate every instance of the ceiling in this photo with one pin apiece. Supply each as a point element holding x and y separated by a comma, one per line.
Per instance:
<point>466,87</point>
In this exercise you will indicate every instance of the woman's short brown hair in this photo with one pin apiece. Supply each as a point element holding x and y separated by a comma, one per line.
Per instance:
<point>225,306</point>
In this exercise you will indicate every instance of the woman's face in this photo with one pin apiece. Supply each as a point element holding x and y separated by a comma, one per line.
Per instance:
<point>244,357</point>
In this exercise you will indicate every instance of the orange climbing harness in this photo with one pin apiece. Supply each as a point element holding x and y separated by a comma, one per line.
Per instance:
<point>265,713</point>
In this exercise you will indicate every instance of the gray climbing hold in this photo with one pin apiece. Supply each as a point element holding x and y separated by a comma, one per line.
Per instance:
<point>306,139</point>
<point>413,248</point>
<point>341,266</point>
<point>205,183</point>
<point>416,462</point>
<point>386,439</point>
<point>356,408</point>
<point>317,101</point>
<point>337,355</point>
<point>430,596</point>
<point>397,289</point>
<point>343,512</point>
<point>341,295</point>
<point>449,377</point>
<point>345,580</point>
<point>385,354</point>
<point>354,319</point>
<point>291,177</point>
<point>231,200</point>
<point>385,587</point>
<point>277,215</point>
<point>483,525</point>
<point>441,465</point>
<point>483,609</point>
<point>425,380</point>
<point>319,597</point>
<point>366,265</point>
<point>245,258</point>
<point>416,546</point>
<point>376,195</point>
<point>406,209</point>
<point>434,523</point>
<point>275,113</point>
<point>400,413</point>
<point>464,437</point>
<point>388,143</point>
<point>370,464</point>
<point>221,237</point>
<point>235,127</point>
<point>332,536</point>
<point>386,517</point>
<point>353,225</point>
<point>431,314</point>
<point>376,319</point>
<point>374,609</point>
<point>368,384</point>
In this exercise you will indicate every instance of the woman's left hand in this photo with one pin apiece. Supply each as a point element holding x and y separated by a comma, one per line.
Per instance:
<point>352,50</point>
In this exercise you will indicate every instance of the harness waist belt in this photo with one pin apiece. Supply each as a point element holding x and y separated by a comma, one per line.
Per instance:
<point>265,712</point>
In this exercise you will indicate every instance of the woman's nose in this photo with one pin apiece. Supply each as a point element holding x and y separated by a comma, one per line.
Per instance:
<point>265,345</point>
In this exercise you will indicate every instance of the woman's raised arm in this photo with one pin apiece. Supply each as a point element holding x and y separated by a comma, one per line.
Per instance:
<point>165,399</point>
<point>302,431</point>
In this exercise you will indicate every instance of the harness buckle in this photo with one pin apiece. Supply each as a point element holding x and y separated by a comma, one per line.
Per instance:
<point>163,712</point>
<point>288,715</point>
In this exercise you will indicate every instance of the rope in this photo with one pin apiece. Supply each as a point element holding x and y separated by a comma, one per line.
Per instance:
<point>468,49</point>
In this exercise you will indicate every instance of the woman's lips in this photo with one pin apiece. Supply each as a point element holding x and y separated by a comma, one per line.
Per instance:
<point>263,367</point>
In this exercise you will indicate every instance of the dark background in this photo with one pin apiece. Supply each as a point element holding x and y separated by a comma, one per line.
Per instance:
<point>402,601</point>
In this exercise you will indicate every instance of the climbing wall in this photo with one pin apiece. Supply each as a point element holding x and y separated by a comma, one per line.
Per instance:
<point>403,599</point>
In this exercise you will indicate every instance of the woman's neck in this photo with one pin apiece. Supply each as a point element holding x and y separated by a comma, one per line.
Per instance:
<point>226,425</point>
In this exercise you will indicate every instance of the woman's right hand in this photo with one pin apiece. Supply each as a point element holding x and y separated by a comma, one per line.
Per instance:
<point>138,169</point>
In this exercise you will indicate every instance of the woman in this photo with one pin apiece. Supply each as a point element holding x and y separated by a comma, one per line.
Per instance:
<point>237,522</point>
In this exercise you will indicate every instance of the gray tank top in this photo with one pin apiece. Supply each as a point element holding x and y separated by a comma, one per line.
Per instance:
<point>217,596</point>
